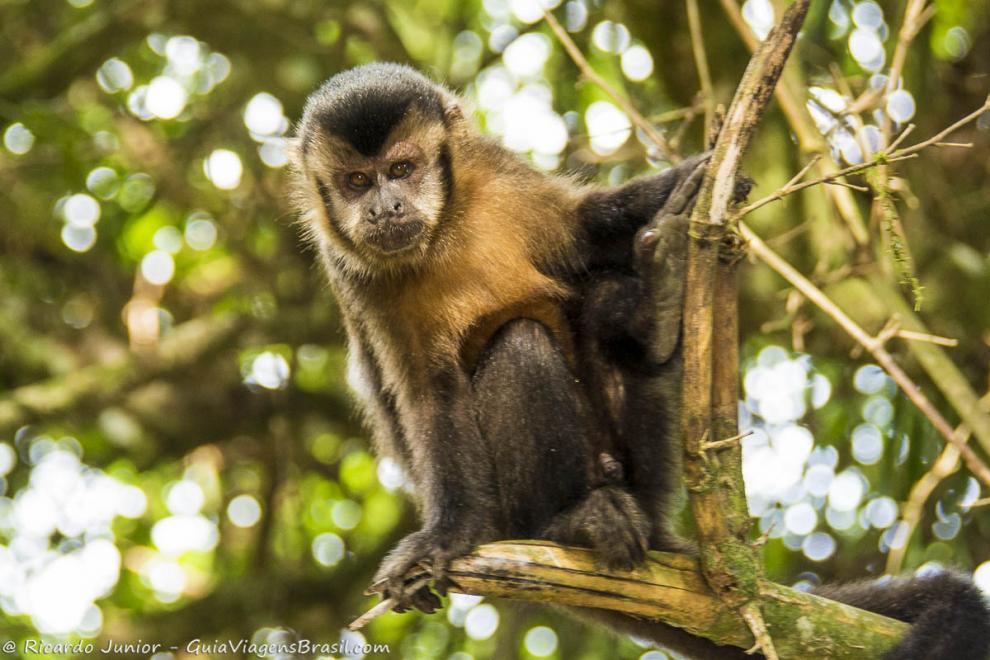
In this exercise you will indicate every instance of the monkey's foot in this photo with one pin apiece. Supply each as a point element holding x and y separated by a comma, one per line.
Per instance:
<point>610,522</point>
<point>422,554</point>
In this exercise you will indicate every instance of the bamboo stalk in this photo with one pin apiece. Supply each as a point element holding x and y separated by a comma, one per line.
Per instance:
<point>730,564</point>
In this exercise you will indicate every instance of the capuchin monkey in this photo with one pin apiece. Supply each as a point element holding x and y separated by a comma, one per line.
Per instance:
<point>513,343</point>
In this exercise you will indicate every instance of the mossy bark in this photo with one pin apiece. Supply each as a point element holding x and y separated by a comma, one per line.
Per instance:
<point>670,588</point>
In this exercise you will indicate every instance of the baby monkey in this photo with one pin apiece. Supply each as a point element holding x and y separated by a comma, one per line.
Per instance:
<point>513,337</point>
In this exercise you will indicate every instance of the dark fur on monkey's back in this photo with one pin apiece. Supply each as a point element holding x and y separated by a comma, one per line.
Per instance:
<point>513,339</point>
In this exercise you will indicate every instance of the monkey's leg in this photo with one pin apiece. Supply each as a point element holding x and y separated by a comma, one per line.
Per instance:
<point>456,486</point>
<point>535,418</point>
<point>642,400</point>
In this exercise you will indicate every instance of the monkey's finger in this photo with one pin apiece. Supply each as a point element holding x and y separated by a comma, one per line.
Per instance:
<point>425,600</point>
<point>685,192</point>
<point>399,577</point>
<point>620,551</point>
<point>440,581</point>
<point>649,238</point>
<point>636,543</point>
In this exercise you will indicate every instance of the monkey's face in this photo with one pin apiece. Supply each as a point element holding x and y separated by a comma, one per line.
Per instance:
<point>385,207</point>
<point>387,204</point>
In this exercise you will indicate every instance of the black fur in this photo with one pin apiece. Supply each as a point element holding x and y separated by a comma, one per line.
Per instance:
<point>365,103</point>
<point>536,419</point>
<point>949,615</point>
<point>448,173</point>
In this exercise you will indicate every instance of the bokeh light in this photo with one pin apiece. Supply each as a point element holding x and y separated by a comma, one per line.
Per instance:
<point>18,139</point>
<point>60,558</point>
<point>611,37</point>
<point>328,549</point>
<point>481,622</point>
<point>540,641</point>
<point>608,127</point>
<point>244,511</point>
<point>158,267</point>
<point>637,63</point>
<point>759,15</point>
<point>114,76</point>
<point>223,168</point>
<point>165,97</point>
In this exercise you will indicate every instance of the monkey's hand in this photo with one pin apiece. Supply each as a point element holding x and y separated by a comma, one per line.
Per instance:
<point>660,258</point>
<point>423,554</point>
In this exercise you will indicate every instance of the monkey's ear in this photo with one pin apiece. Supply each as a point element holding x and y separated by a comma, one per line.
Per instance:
<point>454,116</point>
<point>452,112</point>
<point>294,151</point>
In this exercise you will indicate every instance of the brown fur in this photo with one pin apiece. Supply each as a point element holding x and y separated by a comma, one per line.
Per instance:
<point>480,268</point>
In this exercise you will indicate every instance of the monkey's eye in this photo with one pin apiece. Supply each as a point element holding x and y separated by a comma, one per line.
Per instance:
<point>358,179</point>
<point>400,169</point>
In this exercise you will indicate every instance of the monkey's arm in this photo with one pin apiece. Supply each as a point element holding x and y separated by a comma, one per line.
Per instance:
<point>455,484</point>
<point>609,218</point>
<point>636,317</point>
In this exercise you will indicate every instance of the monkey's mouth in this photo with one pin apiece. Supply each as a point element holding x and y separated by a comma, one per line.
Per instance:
<point>396,235</point>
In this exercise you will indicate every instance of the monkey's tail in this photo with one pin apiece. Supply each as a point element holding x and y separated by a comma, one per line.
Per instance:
<point>949,617</point>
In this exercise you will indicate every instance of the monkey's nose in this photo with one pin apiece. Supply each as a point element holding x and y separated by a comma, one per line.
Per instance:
<point>387,213</point>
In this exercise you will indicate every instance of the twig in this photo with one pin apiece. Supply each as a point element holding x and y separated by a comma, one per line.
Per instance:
<point>883,158</point>
<point>385,606</point>
<point>708,445</point>
<point>675,114</point>
<point>915,17</point>
<point>764,643</point>
<point>846,184</point>
<point>903,136</point>
<point>804,170</point>
<point>701,62</point>
<point>582,63</point>
<point>930,338</point>
<point>945,465</point>
<point>871,344</point>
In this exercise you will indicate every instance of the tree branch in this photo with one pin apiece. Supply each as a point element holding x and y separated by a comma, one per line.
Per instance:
<point>670,588</point>
<point>661,143</point>
<point>99,384</point>
<point>890,155</point>
<point>872,344</point>
<point>715,486</point>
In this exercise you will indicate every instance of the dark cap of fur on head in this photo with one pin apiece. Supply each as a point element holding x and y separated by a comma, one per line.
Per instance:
<point>362,105</point>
